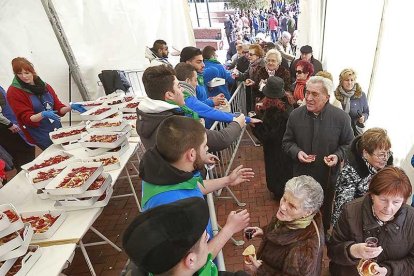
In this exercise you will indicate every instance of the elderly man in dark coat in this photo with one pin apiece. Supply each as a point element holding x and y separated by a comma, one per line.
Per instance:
<point>316,138</point>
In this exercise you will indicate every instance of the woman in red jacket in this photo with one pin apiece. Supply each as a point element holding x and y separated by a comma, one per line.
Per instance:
<point>35,104</point>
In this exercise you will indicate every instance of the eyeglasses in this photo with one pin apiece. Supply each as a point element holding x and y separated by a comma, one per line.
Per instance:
<point>384,155</point>
<point>250,54</point>
<point>300,72</point>
<point>245,52</point>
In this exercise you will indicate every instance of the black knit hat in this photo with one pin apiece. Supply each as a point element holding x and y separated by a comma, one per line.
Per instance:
<point>306,49</point>
<point>274,88</point>
<point>188,53</point>
<point>159,238</point>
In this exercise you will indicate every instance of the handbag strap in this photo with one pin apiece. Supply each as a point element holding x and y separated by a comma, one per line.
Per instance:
<point>317,233</point>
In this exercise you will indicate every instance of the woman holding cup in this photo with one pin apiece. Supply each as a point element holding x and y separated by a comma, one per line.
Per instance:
<point>378,227</point>
<point>292,244</point>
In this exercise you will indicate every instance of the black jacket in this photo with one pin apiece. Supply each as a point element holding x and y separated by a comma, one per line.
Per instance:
<point>278,166</point>
<point>357,223</point>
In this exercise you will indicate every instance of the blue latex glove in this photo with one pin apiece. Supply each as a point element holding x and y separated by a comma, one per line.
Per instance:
<point>51,114</point>
<point>77,107</point>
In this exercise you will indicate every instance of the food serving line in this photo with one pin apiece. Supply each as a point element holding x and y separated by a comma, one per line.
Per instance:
<point>77,215</point>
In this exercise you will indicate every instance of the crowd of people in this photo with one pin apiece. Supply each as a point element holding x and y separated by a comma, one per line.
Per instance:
<point>252,24</point>
<point>335,180</point>
<point>321,163</point>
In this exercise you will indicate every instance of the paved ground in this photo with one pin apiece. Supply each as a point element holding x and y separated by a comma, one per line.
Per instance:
<point>120,212</point>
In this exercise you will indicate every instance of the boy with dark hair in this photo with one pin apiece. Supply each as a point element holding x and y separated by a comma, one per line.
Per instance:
<point>165,99</point>
<point>170,171</point>
<point>171,240</point>
<point>193,56</point>
<point>187,76</point>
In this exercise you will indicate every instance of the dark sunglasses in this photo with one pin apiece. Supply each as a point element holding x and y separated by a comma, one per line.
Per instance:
<point>300,72</point>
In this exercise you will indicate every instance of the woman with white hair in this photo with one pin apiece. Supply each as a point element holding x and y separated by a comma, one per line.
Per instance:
<point>283,46</point>
<point>273,59</point>
<point>292,243</point>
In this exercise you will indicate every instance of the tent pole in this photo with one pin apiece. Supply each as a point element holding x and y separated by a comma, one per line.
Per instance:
<point>208,13</point>
<point>325,4</point>
<point>377,51</point>
<point>198,19</point>
<point>66,49</point>
<point>70,95</point>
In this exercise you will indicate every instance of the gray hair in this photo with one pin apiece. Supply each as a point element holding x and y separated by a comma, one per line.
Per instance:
<point>307,188</point>
<point>286,34</point>
<point>326,83</point>
<point>276,53</point>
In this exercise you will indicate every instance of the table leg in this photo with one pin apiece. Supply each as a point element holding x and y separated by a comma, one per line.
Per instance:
<point>88,261</point>
<point>133,189</point>
<point>105,239</point>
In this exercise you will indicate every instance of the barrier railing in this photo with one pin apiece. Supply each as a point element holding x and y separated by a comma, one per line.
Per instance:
<point>135,79</point>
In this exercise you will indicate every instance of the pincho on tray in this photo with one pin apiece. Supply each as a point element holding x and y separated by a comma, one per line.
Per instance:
<point>75,178</point>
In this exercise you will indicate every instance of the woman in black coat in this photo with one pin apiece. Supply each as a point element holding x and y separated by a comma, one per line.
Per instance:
<point>274,110</point>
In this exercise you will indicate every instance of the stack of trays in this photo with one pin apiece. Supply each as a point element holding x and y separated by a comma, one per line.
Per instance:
<point>130,107</point>
<point>118,151</point>
<point>16,256</point>
<point>98,113</point>
<point>108,125</point>
<point>67,134</point>
<point>115,102</point>
<point>81,185</point>
<point>44,168</point>
<point>102,139</point>
<point>91,104</point>
<point>131,118</point>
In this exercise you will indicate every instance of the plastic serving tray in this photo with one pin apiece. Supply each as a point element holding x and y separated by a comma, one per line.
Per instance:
<point>130,107</point>
<point>76,205</point>
<point>122,136</point>
<point>58,141</point>
<point>52,229</point>
<point>89,115</point>
<point>4,221</point>
<point>94,125</point>
<point>39,160</point>
<point>23,244</point>
<point>40,185</point>
<point>90,104</point>
<point>13,226</point>
<point>107,168</point>
<point>52,189</point>
<point>216,82</point>
<point>27,262</point>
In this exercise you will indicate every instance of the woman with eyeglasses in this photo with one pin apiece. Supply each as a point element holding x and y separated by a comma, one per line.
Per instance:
<point>35,104</point>
<point>304,70</point>
<point>353,100</point>
<point>383,216</point>
<point>368,154</point>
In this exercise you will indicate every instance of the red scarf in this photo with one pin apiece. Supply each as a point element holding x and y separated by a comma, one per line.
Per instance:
<point>298,94</point>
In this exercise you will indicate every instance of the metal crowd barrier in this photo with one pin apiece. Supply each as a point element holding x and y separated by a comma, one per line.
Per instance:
<point>135,79</point>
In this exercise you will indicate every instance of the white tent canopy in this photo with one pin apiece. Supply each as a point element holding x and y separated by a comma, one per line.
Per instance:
<point>369,36</point>
<point>101,34</point>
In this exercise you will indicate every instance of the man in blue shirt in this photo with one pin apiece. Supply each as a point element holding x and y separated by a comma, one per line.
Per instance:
<point>193,56</point>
